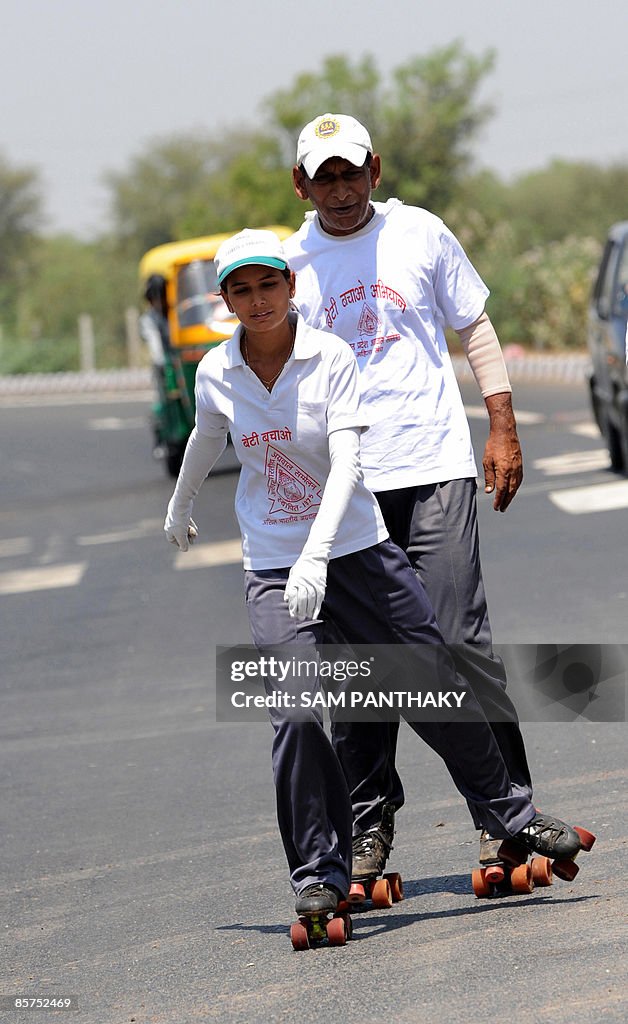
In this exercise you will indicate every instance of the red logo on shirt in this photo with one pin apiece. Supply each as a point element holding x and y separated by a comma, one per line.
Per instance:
<point>290,488</point>
<point>369,321</point>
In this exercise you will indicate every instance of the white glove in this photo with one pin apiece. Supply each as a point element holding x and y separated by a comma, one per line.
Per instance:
<point>181,531</point>
<point>305,589</point>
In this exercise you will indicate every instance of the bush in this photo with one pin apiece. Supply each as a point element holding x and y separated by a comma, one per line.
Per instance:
<point>45,355</point>
<point>547,292</point>
<point>539,297</point>
<point>57,355</point>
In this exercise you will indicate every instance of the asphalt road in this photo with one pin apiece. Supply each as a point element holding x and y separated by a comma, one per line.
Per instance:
<point>141,866</point>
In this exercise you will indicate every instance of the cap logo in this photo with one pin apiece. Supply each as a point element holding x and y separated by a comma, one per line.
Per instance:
<point>327,128</point>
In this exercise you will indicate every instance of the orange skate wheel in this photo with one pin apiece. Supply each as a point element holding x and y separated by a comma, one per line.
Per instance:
<point>299,936</point>
<point>348,923</point>
<point>395,881</point>
<point>541,871</point>
<point>337,931</point>
<point>381,894</point>
<point>521,879</point>
<point>494,873</point>
<point>481,886</point>
<point>587,838</point>
<point>357,893</point>
<point>565,869</point>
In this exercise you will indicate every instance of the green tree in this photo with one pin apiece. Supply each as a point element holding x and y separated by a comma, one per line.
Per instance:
<point>566,199</point>
<point>249,188</point>
<point>537,243</point>
<point>70,277</point>
<point>422,124</point>
<point>339,87</point>
<point>550,305</point>
<point>20,220</point>
<point>427,123</point>
<point>150,200</point>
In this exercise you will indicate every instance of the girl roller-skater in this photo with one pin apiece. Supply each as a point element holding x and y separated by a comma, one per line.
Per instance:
<point>315,549</point>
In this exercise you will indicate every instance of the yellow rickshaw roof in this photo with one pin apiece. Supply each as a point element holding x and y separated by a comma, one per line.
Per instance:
<point>163,258</point>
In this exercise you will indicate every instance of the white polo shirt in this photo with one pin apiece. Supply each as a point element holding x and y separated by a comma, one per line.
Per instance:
<point>389,290</point>
<point>281,440</point>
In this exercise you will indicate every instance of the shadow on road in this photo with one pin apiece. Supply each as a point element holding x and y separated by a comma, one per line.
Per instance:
<point>388,920</point>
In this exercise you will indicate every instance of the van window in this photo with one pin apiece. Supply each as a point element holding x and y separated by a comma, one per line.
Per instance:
<point>604,285</point>
<point>620,305</point>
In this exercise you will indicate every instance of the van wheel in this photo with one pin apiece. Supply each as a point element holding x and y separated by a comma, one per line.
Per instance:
<point>614,445</point>
<point>596,408</point>
<point>623,443</point>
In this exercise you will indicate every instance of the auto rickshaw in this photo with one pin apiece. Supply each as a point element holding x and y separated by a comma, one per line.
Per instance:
<point>194,319</point>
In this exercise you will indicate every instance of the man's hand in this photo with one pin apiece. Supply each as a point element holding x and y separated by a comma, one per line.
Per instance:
<point>305,589</point>
<point>503,461</point>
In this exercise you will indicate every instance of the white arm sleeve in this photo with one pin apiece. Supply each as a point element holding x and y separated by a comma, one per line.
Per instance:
<point>305,589</point>
<point>486,359</point>
<point>344,473</point>
<point>201,453</point>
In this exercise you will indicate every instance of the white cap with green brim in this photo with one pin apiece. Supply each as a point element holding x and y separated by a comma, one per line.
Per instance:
<point>249,246</point>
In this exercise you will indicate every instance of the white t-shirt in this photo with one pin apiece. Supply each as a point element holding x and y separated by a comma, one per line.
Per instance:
<point>281,440</point>
<point>389,290</point>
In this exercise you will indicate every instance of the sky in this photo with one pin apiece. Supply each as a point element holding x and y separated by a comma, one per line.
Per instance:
<point>88,84</point>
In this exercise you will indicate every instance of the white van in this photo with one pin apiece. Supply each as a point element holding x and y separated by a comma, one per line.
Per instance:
<point>608,346</point>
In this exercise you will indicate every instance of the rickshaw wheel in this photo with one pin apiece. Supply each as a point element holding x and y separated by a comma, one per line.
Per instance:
<point>174,458</point>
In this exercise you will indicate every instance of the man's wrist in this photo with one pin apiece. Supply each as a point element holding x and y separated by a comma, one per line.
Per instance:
<point>501,413</point>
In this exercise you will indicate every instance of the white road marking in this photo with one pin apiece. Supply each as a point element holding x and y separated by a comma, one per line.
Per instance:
<point>586,430</point>
<point>74,398</point>
<point>54,551</point>
<point>601,498</point>
<point>200,556</point>
<point>117,423</point>
<point>15,546</point>
<point>25,581</point>
<point>113,537</point>
<point>144,528</point>
<point>572,462</point>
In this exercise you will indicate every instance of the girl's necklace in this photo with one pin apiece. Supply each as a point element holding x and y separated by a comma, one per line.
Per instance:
<point>268,384</point>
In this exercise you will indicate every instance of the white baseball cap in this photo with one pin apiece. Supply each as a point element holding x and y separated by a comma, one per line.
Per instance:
<point>249,246</point>
<point>332,135</point>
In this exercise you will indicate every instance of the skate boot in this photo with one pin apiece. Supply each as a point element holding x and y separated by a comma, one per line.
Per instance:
<point>550,837</point>
<point>490,858</point>
<point>317,898</point>
<point>557,842</point>
<point>323,918</point>
<point>504,867</point>
<point>371,850</point>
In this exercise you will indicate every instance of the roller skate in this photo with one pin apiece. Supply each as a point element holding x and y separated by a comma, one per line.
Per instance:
<point>371,850</point>
<point>323,918</point>
<point>504,869</point>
